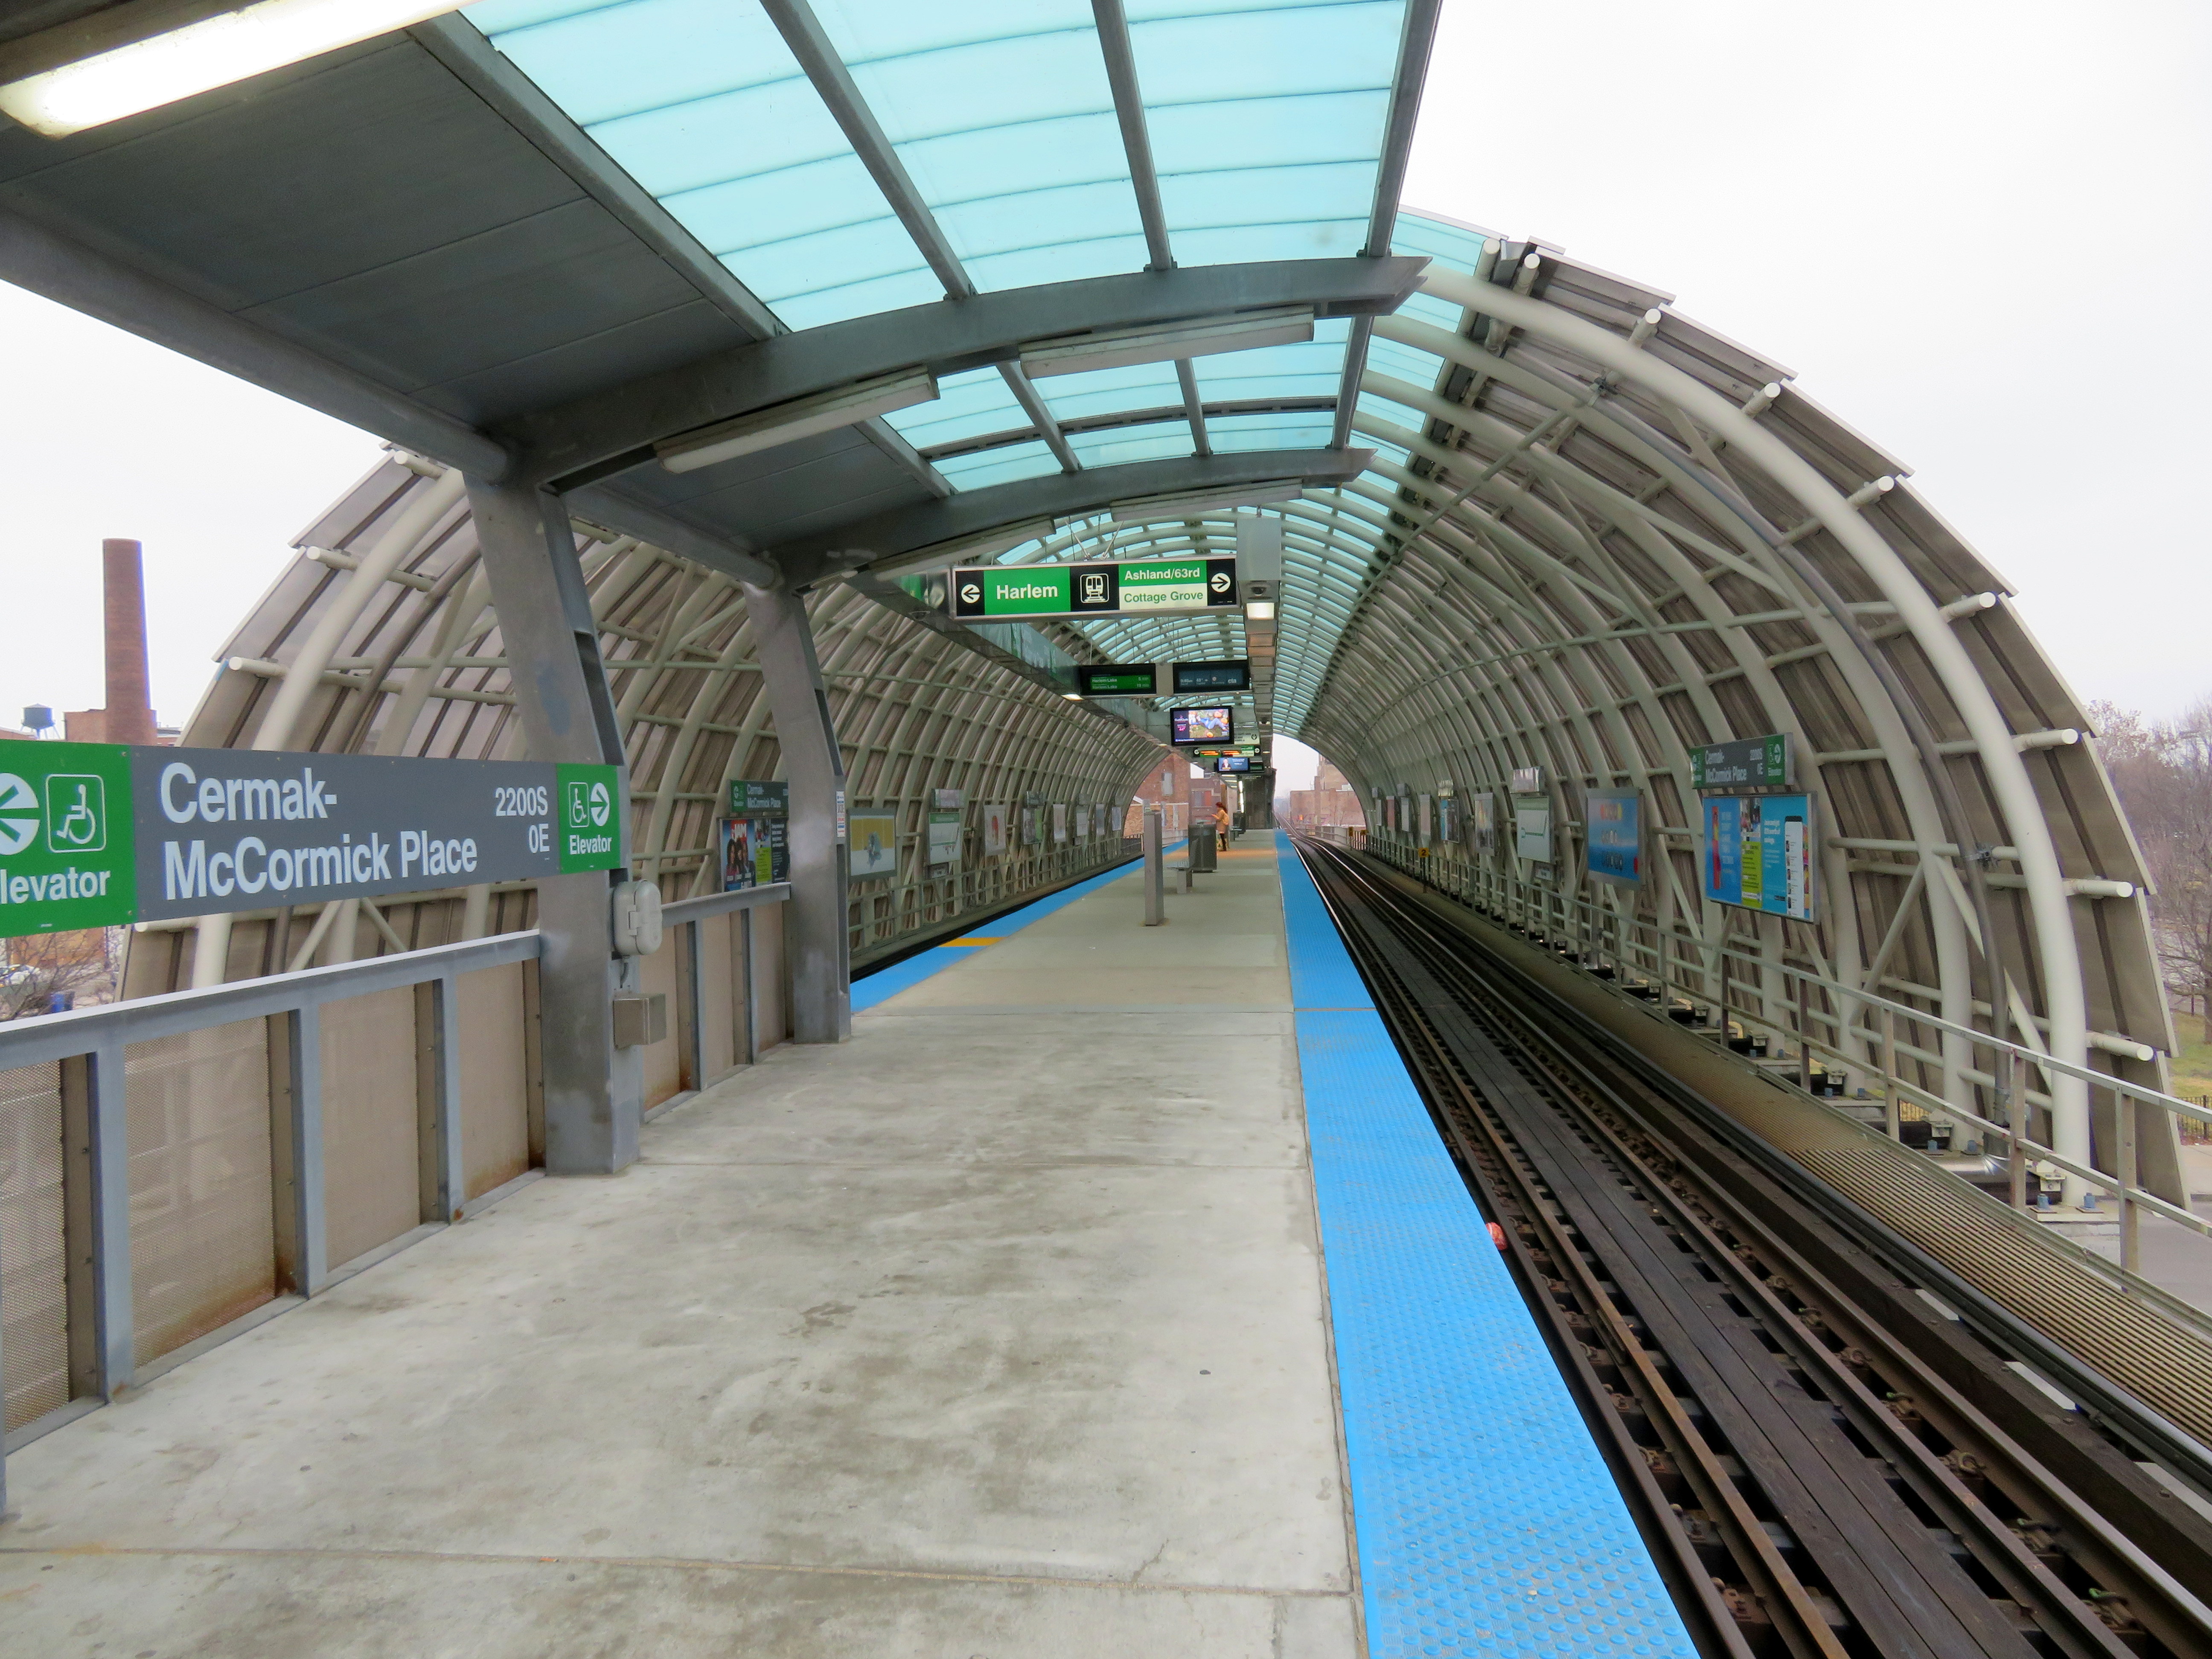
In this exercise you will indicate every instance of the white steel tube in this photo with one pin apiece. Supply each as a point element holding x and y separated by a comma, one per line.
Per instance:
<point>2049,916</point>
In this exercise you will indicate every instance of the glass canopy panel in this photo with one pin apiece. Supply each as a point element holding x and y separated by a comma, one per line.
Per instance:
<point>1311,368</point>
<point>986,467</point>
<point>975,404</point>
<point>1234,434</point>
<point>1119,446</point>
<point>1108,390</point>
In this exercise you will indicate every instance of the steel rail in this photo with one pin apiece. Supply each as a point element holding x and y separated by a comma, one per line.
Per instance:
<point>2000,1530</point>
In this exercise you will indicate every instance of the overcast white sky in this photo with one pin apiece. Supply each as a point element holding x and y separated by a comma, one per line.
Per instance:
<point>1979,231</point>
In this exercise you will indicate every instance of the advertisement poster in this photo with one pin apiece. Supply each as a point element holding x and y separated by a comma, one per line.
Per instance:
<point>1759,853</point>
<point>874,844</point>
<point>1083,823</point>
<point>994,831</point>
<point>753,853</point>
<point>1482,823</point>
<point>1426,820</point>
<point>1532,828</point>
<point>1614,833</point>
<point>1060,820</point>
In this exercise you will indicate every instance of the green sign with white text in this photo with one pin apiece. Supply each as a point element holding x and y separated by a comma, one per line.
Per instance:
<point>1098,588</point>
<point>99,835</point>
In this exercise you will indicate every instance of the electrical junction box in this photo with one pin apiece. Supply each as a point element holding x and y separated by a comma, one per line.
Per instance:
<point>641,1019</point>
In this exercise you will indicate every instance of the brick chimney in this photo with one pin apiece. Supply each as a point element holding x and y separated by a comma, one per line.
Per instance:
<point>129,715</point>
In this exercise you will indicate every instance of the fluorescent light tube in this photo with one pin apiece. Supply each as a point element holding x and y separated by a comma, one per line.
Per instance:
<point>123,60</point>
<point>1201,337</point>
<point>802,417</point>
<point>1143,508</point>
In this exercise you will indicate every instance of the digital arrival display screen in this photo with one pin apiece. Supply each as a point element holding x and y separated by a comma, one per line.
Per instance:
<point>1123,679</point>
<point>1194,726</point>
<point>1233,763</point>
<point>1235,675</point>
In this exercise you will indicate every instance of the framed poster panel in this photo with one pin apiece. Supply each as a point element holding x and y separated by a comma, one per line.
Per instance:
<point>1532,828</point>
<point>994,831</point>
<point>874,845</point>
<point>1760,853</point>
<point>1612,835</point>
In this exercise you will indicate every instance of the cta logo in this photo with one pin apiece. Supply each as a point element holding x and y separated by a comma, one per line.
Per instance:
<point>75,815</point>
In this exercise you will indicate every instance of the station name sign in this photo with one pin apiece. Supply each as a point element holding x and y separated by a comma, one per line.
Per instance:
<point>96,834</point>
<point>1744,767</point>
<point>1136,587</point>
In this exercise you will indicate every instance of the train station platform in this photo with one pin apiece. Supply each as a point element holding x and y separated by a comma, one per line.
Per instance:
<point>1108,1293</point>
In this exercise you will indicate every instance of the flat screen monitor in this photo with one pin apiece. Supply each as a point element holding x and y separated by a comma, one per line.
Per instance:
<point>1193,726</point>
<point>1235,675</point>
<point>1233,763</point>
<point>1117,679</point>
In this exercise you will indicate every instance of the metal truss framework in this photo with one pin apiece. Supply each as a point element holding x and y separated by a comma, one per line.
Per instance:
<point>381,639</point>
<point>1600,535</point>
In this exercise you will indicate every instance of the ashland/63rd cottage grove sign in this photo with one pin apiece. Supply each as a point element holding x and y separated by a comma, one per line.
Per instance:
<point>96,835</point>
<point>1100,587</point>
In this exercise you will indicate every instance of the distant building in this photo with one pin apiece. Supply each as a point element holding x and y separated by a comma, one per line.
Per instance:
<point>1179,789</point>
<point>128,716</point>
<point>1331,803</point>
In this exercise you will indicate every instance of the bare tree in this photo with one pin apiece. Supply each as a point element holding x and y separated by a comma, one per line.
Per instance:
<point>34,968</point>
<point>2163,774</point>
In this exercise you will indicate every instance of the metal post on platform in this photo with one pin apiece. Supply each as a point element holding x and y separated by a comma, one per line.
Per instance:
<point>1804,1034</point>
<point>2014,1109</point>
<point>2124,1119</point>
<point>1892,1123</point>
<point>1156,874</point>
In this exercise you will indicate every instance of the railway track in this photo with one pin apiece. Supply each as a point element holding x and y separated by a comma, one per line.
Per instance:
<point>1825,1457</point>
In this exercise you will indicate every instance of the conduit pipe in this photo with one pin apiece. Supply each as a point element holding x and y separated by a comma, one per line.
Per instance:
<point>304,676</point>
<point>2049,916</point>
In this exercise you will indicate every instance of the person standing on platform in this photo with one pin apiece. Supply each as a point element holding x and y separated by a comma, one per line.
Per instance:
<point>1221,823</point>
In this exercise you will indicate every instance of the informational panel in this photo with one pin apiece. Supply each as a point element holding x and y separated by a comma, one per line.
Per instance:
<point>1146,587</point>
<point>96,835</point>
<point>1060,820</point>
<point>1747,766</point>
<point>1225,763</point>
<point>1082,822</point>
<point>753,842</point>
<point>1759,854</point>
<point>994,831</point>
<point>1234,675</point>
<point>1613,829</point>
<point>1126,679</point>
<point>1532,828</point>
<point>873,844</point>
<point>944,837</point>
<point>1425,823</point>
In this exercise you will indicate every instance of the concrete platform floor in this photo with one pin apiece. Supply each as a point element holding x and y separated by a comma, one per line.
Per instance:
<point>1000,1331</point>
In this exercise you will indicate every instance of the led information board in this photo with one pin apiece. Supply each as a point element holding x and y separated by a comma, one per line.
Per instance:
<point>1749,766</point>
<point>1126,680</point>
<point>98,834</point>
<point>1232,676</point>
<point>1759,854</point>
<point>1190,725</point>
<point>1104,588</point>
<point>1233,763</point>
<point>1613,827</point>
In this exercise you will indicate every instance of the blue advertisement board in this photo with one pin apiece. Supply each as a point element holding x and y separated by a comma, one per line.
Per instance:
<point>1759,853</point>
<point>1613,821</point>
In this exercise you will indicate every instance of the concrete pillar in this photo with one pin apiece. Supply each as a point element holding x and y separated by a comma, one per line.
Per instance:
<point>815,937</point>
<point>593,1090</point>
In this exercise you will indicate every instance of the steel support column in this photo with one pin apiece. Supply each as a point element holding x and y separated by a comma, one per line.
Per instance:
<point>593,1089</point>
<point>816,944</point>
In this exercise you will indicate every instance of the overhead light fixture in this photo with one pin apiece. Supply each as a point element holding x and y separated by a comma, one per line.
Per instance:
<point>1260,610</point>
<point>138,56</point>
<point>1200,337</point>
<point>802,417</point>
<point>1139,509</point>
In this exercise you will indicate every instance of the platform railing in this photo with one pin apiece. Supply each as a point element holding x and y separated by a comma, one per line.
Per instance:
<point>1823,1015</point>
<point>885,914</point>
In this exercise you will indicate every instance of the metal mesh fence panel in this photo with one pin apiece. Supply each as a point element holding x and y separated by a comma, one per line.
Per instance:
<point>33,1244</point>
<point>203,1248</point>
<point>372,1134</point>
<point>721,1007</point>
<point>494,1079</point>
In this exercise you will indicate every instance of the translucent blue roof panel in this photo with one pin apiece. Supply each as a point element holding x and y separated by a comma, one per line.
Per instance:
<point>1236,433</point>
<point>1151,441</point>
<point>986,467</point>
<point>973,404</point>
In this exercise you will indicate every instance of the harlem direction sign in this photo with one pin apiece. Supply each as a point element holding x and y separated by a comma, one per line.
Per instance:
<point>1100,587</point>
<point>99,834</point>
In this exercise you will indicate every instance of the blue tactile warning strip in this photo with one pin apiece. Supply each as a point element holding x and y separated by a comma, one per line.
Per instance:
<point>887,982</point>
<point>1488,1522</point>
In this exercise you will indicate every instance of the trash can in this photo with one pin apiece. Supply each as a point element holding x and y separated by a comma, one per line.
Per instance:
<point>1202,849</point>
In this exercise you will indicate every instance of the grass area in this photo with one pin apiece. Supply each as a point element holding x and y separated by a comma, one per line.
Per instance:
<point>2192,1066</point>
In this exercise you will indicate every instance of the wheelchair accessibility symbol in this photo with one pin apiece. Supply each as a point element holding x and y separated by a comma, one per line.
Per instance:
<point>77,812</point>
<point>590,805</point>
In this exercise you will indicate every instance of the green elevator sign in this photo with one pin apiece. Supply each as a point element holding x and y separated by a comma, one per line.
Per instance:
<point>1099,587</point>
<point>67,852</point>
